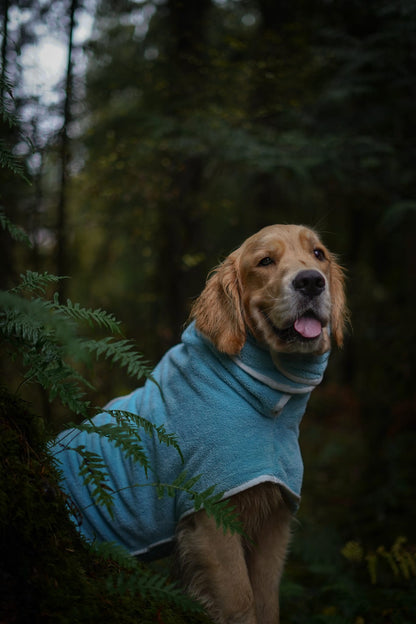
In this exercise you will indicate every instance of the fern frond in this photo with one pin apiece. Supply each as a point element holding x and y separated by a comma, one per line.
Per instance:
<point>223,513</point>
<point>221,510</point>
<point>399,559</point>
<point>9,161</point>
<point>182,483</point>
<point>33,282</point>
<point>19,316</point>
<point>122,353</point>
<point>47,367</point>
<point>8,116</point>
<point>162,589</point>
<point>154,586</point>
<point>43,341</point>
<point>93,471</point>
<point>136,579</point>
<point>169,439</point>
<point>122,435</point>
<point>125,433</point>
<point>116,552</point>
<point>99,317</point>
<point>15,232</point>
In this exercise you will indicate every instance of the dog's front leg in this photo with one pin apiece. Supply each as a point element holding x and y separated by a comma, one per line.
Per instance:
<point>266,561</point>
<point>214,570</point>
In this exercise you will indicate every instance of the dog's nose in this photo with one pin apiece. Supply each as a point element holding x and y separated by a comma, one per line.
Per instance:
<point>309,283</point>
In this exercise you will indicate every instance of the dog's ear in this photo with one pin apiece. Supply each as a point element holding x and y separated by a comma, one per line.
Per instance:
<point>217,311</point>
<point>339,313</point>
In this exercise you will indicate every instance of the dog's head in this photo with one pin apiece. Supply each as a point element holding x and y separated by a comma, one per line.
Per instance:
<point>283,286</point>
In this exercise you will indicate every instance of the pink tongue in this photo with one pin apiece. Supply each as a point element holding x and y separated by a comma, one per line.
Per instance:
<point>308,327</point>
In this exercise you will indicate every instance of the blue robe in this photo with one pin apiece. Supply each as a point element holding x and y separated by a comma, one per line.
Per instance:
<point>237,423</point>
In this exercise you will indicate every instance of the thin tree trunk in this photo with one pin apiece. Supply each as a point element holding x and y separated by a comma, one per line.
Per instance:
<point>61,234</point>
<point>6,242</point>
<point>4,47</point>
<point>178,223</point>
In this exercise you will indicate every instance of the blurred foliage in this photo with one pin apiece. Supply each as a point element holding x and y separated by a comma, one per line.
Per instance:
<point>194,125</point>
<point>48,573</point>
<point>328,584</point>
<point>42,554</point>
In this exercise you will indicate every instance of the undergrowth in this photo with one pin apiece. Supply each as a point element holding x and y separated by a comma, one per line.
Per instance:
<point>48,573</point>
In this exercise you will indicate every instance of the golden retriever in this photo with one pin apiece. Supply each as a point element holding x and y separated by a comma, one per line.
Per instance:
<point>234,392</point>
<point>286,289</point>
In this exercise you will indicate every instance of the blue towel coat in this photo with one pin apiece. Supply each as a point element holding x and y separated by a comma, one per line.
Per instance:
<point>237,423</point>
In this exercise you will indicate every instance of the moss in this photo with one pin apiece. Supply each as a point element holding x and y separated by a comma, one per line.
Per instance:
<point>47,572</point>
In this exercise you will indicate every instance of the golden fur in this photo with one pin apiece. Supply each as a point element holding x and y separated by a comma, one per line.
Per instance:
<point>236,578</point>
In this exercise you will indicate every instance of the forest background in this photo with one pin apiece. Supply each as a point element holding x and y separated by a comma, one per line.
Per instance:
<point>181,127</point>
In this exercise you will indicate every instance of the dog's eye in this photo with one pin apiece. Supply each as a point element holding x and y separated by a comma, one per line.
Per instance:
<point>318,253</point>
<point>265,261</point>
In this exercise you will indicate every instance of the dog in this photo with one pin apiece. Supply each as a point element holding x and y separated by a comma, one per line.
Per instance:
<point>234,391</point>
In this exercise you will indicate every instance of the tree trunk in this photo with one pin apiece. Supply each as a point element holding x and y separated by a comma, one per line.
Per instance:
<point>179,223</point>
<point>61,233</point>
<point>4,48</point>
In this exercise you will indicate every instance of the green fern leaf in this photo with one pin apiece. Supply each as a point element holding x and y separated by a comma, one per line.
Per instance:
<point>123,436</point>
<point>33,282</point>
<point>221,510</point>
<point>157,587</point>
<point>43,341</point>
<point>10,161</point>
<point>98,317</point>
<point>116,552</point>
<point>94,474</point>
<point>122,353</point>
<point>15,232</point>
<point>7,114</point>
<point>169,439</point>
